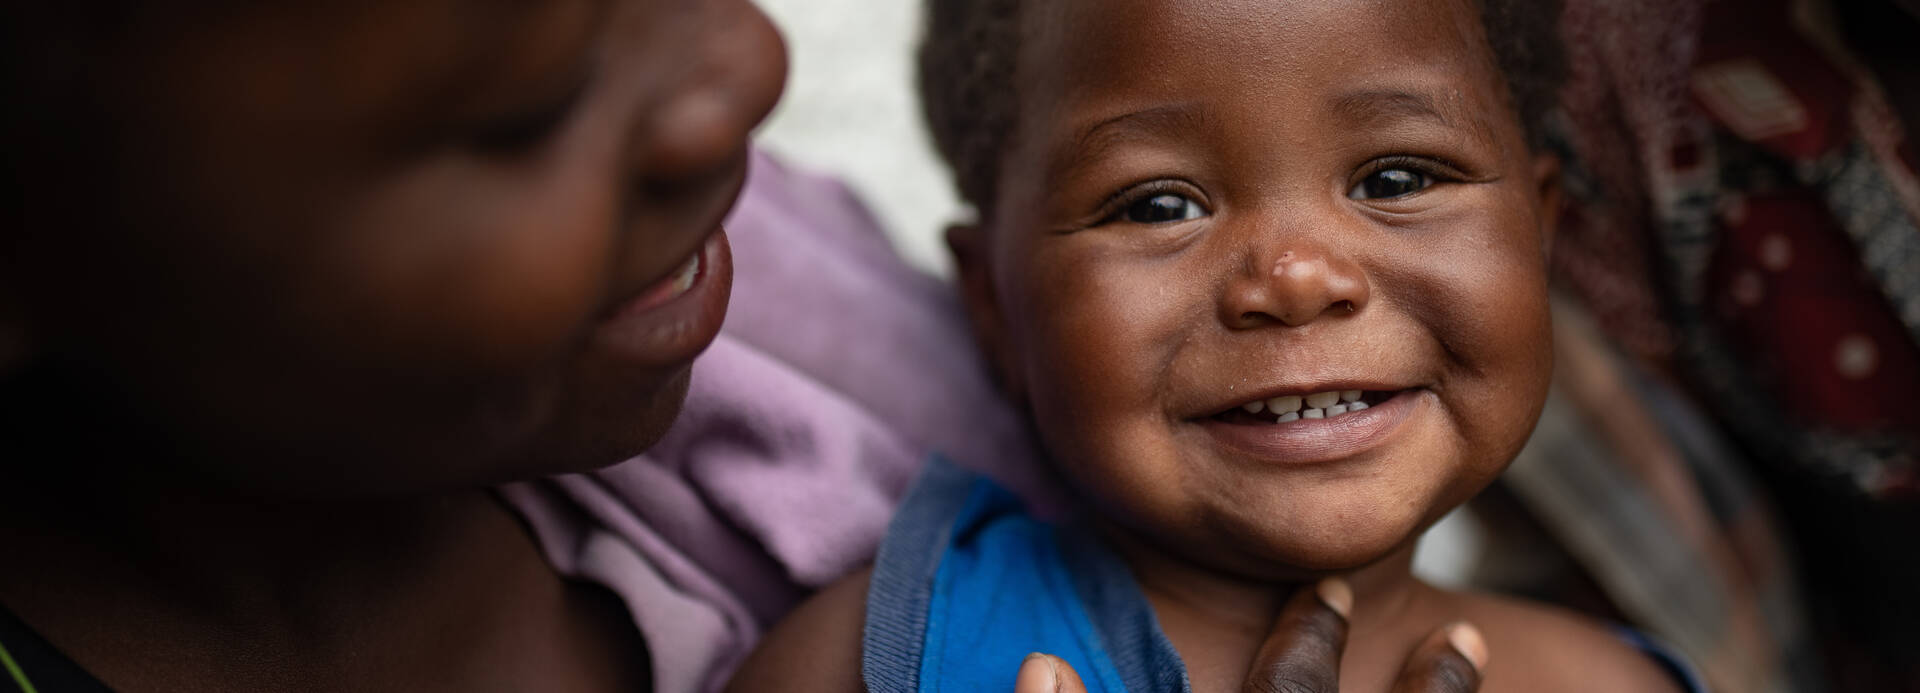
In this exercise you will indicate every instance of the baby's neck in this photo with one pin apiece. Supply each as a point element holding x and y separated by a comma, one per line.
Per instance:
<point>1218,620</point>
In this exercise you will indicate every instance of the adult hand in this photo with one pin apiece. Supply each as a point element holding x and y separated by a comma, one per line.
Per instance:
<point>1302,654</point>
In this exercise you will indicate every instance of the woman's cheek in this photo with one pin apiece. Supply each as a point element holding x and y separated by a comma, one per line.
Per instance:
<point>500,278</point>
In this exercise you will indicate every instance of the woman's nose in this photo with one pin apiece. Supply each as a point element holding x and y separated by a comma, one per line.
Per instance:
<point>1294,285</point>
<point>739,69</point>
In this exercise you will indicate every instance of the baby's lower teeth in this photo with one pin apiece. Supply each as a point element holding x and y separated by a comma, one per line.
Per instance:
<point>1314,414</point>
<point>1336,410</point>
<point>1289,417</point>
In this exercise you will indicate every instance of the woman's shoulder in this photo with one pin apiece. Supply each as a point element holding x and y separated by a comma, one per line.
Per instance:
<point>1536,647</point>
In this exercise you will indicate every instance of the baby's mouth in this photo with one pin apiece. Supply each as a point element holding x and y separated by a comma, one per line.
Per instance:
<point>1289,409</point>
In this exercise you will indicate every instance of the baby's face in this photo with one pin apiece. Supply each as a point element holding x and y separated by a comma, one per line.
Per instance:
<point>1216,208</point>
<point>393,244</point>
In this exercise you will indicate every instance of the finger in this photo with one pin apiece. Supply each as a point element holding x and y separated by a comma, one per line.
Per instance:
<point>1302,652</point>
<point>1044,673</point>
<point>1449,661</point>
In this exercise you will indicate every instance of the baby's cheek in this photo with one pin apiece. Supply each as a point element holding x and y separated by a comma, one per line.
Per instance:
<point>1506,339</point>
<point>1098,342</point>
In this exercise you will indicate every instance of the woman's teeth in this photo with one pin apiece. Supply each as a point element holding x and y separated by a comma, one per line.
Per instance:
<point>671,287</point>
<point>683,280</point>
<point>1320,405</point>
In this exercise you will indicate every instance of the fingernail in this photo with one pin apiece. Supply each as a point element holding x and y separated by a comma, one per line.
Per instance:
<point>1037,675</point>
<point>1335,593</point>
<point>1467,641</point>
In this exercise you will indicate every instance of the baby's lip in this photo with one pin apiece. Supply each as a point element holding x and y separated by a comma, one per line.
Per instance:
<point>1319,440</point>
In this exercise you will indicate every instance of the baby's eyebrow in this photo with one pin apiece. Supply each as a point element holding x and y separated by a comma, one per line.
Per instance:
<point>1092,142</point>
<point>1385,105</point>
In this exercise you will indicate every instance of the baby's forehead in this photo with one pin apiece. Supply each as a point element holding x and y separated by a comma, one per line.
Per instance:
<point>1075,45</point>
<point>1094,71</point>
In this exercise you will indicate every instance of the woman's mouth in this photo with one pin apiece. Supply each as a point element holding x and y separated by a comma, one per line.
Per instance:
<point>672,287</point>
<point>674,319</point>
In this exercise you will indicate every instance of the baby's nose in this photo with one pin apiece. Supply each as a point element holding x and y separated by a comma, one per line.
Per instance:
<point>1295,287</point>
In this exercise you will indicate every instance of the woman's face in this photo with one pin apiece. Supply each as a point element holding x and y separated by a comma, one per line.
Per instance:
<point>377,246</point>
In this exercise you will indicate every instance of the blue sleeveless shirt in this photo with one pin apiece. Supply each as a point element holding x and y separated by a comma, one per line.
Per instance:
<point>967,584</point>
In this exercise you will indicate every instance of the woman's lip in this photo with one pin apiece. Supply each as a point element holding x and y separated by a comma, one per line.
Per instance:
<point>1317,441</point>
<point>649,331</point>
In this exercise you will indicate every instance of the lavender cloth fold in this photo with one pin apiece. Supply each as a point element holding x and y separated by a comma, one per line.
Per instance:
<point>839,370</point>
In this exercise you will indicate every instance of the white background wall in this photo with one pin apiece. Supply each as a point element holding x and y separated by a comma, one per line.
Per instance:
<point>851,109</point>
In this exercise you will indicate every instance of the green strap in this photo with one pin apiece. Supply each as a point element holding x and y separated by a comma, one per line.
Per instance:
<point>19,677</point>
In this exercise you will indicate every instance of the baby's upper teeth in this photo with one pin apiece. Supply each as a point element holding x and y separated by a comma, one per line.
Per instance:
<point>1319,405</point>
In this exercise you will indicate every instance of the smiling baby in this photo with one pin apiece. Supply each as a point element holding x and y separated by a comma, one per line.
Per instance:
<point>1270,278</point>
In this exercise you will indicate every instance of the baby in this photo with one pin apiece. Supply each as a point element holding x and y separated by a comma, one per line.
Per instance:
<point>1270,277</point>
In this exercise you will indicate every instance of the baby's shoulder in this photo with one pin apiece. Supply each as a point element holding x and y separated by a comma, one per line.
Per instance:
<point>1535,647</point>
<point>814,649</point>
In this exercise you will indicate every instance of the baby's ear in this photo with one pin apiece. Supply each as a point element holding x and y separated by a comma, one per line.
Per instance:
<point>973,270</point>
<point>1547,189</point>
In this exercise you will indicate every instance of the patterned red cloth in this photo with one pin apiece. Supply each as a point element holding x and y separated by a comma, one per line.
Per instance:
<point>1745,208</point>
<point>1788,283</point>
<point>1744,219</point>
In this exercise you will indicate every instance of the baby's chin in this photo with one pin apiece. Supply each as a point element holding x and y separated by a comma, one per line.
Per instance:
<point>1293,556</point>
<point>1289,547</point>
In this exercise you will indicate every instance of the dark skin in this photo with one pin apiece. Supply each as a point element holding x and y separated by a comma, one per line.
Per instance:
<point>362,260</point>
<point>1212,203</point>
<point>428,242</point>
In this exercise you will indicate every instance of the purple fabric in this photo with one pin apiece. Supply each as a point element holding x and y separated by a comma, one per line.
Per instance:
<point>839,370</point>
<point>818,286</point>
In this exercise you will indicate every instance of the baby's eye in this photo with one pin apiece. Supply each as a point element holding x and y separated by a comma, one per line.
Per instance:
<point>1390,183</point>
<point>1162,209</point>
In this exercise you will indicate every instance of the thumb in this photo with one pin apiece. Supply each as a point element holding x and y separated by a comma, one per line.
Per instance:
<point>1044,673</point>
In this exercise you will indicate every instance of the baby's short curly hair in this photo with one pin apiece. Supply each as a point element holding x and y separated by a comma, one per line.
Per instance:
<point>968,65</point>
